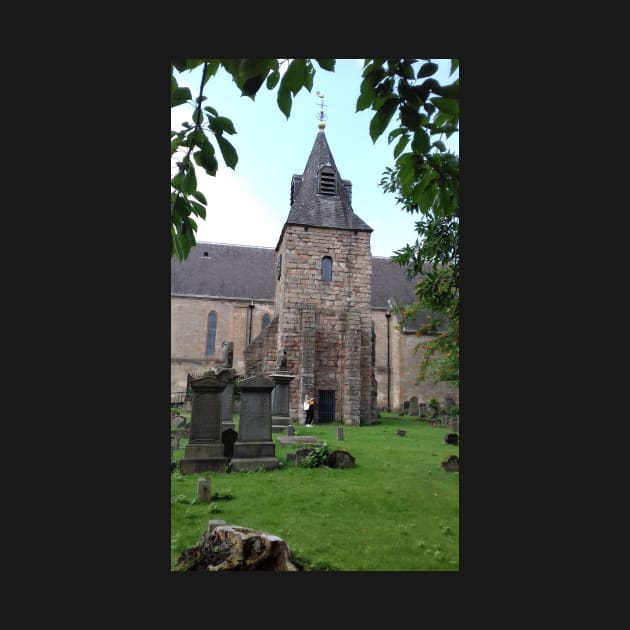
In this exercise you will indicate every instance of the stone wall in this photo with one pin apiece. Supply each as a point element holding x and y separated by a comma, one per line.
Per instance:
<point>189,322</point>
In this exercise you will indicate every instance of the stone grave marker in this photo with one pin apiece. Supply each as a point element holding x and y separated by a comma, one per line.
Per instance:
<point>413,406</point>
<point>255,449</point>
<point>204,450</point>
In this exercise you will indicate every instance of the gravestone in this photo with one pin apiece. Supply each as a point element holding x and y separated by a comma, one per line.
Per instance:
<point>451,438</point>
<point>413,406</point>
<point>422,409</point>
<point>451,464</point>
<point>405,408</point>
<point>448,403</point>
<point>290,430</point>
<point>203,490</point>
<point>255,449</point>
<point>174,442</point>
<point>280,401</point>
<point>204,450</point>
<point>340,433</point>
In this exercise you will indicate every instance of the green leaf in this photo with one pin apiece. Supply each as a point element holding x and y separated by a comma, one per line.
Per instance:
<point>400,146</point>
<point>173,85</point>
<point>210,69</point>
<point>193,63</point>
<point>221,124</point>
<point>249,68</point>
<point>180,96</point>
<point>447,105</point>
<point>175,144</point>
<point>405,69</point>
<point>427,69</point>
<point>177,182</point>
<point>251,86</point>
<point>284,100</point>
<point>448,91</point>
<point>200,197</point>
<point>326,64</point>
<point>367,96</point>
<point>410,117</point>
<point>272,79</point>
<point>230,156</point>
<point>421,142</point>
<point>198,209</point>
<point>205,158</point>
<point>438,144</point>
<point>382,118</point>
<point>211,111</point>
<point>190,181</point>
<point>395,133</point>
<point>454,65</point>
<point>308,77</point>
<point>295,75</point>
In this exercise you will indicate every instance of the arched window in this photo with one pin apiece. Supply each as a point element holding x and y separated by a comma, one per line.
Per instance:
<point>265,321</point>
<point>327,181</point>
<point>326,269</point>
<point>212,333</point>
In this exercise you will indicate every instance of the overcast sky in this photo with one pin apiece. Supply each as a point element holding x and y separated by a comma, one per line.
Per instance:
<point>249,205</point>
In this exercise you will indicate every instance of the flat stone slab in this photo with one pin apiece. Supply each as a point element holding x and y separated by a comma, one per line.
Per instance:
<point>287,440</point>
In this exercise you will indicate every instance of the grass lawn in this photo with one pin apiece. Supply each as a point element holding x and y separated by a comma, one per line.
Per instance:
<point>397,510</point>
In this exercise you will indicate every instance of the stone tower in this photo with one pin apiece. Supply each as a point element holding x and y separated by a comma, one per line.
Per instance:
<point>323,297</point>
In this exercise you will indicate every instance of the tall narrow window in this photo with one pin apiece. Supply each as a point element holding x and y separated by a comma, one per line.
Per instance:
<point>212,333</point>
<point>327,181</point>
<point>326,269</point>
<point>265,321</point>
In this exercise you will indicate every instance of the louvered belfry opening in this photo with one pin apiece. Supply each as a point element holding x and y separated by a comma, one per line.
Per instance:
<point>327,181</point>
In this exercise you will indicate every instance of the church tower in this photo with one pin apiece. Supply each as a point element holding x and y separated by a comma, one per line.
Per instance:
<point>323,295</point>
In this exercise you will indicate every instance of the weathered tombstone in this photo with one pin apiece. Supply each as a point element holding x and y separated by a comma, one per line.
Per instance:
<point>451,464</point>
<point>255,449</point>
<point>451,438</point>
<point>422,409</point>
<point>340,433</point>
<point>280,401</point>
<point>228,437</point>
<point>290,430</point>
<point>204,450</point>
<point>203,490</point>
<point>413,406</point>
<point>448,403</point>
<point>405,408</point>
<point>174,442</point>
<point>341,459</point>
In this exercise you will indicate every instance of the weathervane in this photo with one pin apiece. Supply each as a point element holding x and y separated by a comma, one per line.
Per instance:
<point>321,116</point>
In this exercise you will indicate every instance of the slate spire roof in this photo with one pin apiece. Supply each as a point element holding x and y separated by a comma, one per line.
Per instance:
<point>312,208</point>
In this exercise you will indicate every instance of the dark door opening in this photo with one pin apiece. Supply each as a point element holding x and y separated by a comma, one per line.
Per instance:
<point>326,406</point>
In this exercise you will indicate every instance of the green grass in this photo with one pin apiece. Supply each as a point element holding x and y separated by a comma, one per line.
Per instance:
<point>397,510</point>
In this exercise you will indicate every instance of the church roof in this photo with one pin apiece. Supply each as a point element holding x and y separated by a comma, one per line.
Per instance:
<point>312,208</point>
<point>239,271</point>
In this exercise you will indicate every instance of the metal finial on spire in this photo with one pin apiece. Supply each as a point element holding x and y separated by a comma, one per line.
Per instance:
<point>321,116</point>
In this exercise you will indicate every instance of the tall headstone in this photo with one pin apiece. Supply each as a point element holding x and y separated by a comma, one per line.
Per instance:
<point>413,406</point>
<point>204,450</point>
<point>280,401</point>
<point>255,449</point>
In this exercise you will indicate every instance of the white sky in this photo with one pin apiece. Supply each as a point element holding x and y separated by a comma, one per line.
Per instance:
<point>249,205</point>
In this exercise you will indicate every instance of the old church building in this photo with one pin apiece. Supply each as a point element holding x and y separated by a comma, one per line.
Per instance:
<point>318,306</point>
